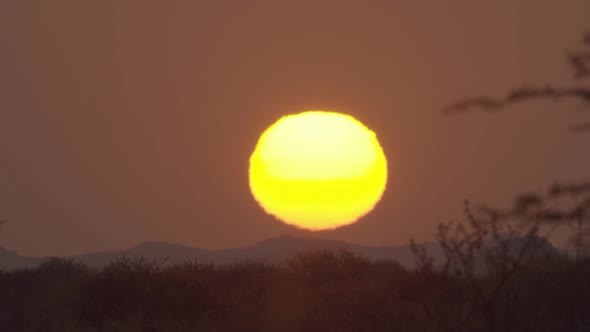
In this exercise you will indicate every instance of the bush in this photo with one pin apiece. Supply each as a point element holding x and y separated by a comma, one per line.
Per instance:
<point>324,290</point>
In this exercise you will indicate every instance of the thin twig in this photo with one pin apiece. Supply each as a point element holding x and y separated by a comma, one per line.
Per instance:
<point>522,94</point>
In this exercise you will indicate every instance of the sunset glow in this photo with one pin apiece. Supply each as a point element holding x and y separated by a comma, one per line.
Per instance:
<point>318,170</point>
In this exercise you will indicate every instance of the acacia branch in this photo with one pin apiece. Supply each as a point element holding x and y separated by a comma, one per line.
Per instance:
<point>519,95</point>
<point>579,62</point>
<point>524,94</point>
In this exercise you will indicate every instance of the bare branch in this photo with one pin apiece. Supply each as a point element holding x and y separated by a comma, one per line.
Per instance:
<point>561,205</point>
<point>465,105</point>
<point>519,95</point>
<point>580,63</point>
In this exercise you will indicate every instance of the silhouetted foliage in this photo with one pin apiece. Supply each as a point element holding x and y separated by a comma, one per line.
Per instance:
<point>563,204</point>
<point>485,278</point>
<point>579,62</point>
<point>493,278</point>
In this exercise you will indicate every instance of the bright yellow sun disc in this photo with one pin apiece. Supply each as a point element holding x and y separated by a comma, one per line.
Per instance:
<point>318,170</point>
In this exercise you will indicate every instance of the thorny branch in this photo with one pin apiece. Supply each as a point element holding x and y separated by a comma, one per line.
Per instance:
<point>480,259</point>
<point>562,204</point>
<point>579,62</point>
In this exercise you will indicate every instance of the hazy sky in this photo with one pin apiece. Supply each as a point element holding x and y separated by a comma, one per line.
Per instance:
<point>124,121</point>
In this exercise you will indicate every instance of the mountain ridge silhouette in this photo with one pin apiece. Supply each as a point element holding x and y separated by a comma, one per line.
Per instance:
<point>271,250</point>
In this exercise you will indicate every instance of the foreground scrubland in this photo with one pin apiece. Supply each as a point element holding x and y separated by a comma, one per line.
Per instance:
<point>313,291</point>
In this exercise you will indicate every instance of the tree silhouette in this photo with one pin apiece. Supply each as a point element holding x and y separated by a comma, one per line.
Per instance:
<point>580,64</point>
<point>481,259</point>
<point>564,204</point>
<point>486,258</point>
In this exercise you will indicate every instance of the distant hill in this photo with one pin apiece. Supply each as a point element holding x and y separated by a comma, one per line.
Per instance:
<point>274,250</point>
<point>10,260</point>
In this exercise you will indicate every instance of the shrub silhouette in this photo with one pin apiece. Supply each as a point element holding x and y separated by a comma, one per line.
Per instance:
<point>320,267</point>
<point>477,287</point>
<point>495,278</point>
<point>142,294</point>
<point>45,298</point>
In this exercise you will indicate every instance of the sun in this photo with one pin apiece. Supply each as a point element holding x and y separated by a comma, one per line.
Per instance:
<point>318,170</point>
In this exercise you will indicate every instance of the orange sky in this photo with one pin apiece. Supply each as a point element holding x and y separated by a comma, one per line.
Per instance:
<point>122,122</point>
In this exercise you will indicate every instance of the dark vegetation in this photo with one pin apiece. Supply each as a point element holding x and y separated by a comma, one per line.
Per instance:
<point>496,275</point>
<point>579,62</point>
